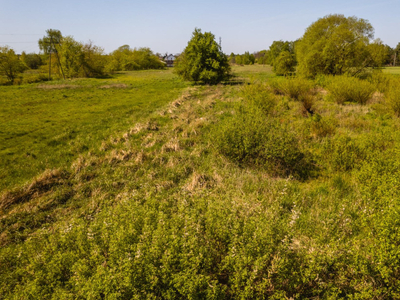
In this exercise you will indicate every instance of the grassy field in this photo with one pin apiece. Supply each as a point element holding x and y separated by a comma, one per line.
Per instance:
<point>48,125</point>
<point>392,70</point>
<point>276,189</point>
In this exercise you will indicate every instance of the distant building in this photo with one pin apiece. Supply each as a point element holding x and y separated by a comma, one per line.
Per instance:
<point>170,60</point>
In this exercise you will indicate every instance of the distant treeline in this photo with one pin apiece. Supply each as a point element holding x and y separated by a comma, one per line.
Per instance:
<point>282,56</point>
<point>63,57</point>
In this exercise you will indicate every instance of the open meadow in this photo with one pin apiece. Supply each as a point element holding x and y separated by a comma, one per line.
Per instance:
<point>48,125</point>
<point>142,186</point>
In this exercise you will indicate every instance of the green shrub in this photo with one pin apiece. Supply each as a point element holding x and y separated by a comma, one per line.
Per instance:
<point>345,153</point>
<point>294,87</point>
<point>393,98</point>
<point>254,140</point>
<point>350,89</point>
<point>258,95</point>
<point>34,78</point>
<point>380,80</point>
<point>322,126</point>
<point>322,80</point>
<point>284,64</point>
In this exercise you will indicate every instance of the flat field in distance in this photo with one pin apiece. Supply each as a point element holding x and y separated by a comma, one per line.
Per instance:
<point>392,70</point>
<point>261,72</point>
<point>48,125</point>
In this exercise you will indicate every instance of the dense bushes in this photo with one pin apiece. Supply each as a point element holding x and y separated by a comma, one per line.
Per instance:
<point>206,219</point>
<point>393,97</point>
<point>253,137</point>
<point>350,89</point>
<point>127,59</point>
<point>293,87</point>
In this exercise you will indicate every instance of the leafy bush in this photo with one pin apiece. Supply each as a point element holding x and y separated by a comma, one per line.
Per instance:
<point>342,153</point>
<point>284,64</point>
<point>350,89</point>
<point>34,78</point>
<point>203,60</point>
<point>393,98</point>
<point>380,80</point>
<point>294,88</point>
<point>252,139</point>
<point>322,126</point>
<point>258,95</point>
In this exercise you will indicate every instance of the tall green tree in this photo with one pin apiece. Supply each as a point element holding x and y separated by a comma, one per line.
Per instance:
<point>49,44</point>
<point>32,60</point>
<point>284,63</point>
<point>10,64</point>
<point>335,45</point>
<point>203,60</point>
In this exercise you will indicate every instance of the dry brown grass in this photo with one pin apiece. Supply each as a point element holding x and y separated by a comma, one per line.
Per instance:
<point>114,86</point>
<point>199,181</point>
<point>39,186</point>
<point>57,86</point>
<point>172,145</point>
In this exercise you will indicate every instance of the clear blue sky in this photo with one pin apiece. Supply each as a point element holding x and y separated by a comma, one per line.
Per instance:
<point>166,26</point>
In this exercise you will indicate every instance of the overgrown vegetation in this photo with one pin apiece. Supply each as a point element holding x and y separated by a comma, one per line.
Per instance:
<point>141,186</point>
<point>227,192</point>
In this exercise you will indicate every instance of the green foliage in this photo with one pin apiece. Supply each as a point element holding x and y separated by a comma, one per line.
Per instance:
<point>127,59</point>
<point>380,80</point>
<point>350,89</point>
<point>393,97</point>
<point>322,126</point>
<point>245,59</point>
<point>258,96</point>
<point>71,58</point>
<point>10,64</point>
<point>32,60</point>
<point>295,88</point>
<point>335,45</point>
<point>278,47</point>
<point>203,60</point>
<point>34,78</point>
<point>284,64</point>
<point>250,137</point>
<point>378,54</point>
<point>48,44</point>
<point>345,153</point>
<point>152,210</point>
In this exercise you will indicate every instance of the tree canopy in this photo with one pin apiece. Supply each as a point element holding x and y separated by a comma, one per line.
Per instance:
<point>10,64</point>
<point>203,60</point>
<point>335,45</point>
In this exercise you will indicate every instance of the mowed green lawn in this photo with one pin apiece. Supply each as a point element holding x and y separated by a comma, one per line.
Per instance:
<point>48,125</point>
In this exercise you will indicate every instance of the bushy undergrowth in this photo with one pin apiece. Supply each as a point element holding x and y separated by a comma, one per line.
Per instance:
<point>298,89</point>
<point>322,126</point>
<point>257,95</point>
<point>253,137</point>
<point>350,89</point>
<point>160,211</point>
<point>393,97</point>
<point>380,80</point>
<point>293,87</point>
